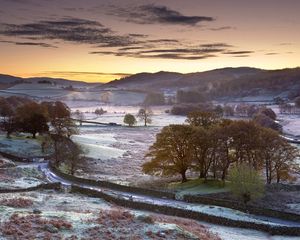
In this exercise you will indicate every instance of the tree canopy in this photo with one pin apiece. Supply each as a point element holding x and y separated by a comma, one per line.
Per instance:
<point>129,119</point>
<point>211,146</point>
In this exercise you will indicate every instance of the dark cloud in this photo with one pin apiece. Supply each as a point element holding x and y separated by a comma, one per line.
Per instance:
<point>72,73</point>
<point>167,55</point>
<point>186,52</point>
<point>68,30</point>
<point>238,52</point>
<point>216,45</point>
<point>93,33</point>
<point>272,53</point>
<point>174,49</point>
<point>169,41</point>
<point>241,56</point>
<point>132,48</point>
<point>221,28</point>
<point>38,44</point>
<point>153,14</point>
<point>138,35</point>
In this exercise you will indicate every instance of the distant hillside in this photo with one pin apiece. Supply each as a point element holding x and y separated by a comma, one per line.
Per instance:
<point>142,80</point>
<point>242,81</point>
<point>218,83</point>
<point>7,79</point>
<point>285,82</point>
<point>161,80</point>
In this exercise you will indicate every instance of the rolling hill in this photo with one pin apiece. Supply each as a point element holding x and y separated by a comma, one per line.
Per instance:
<point>218,83</point>
<point>8,79</point>
<point>237,82</point>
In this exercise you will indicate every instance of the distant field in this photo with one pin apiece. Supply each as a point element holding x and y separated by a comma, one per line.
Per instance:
<point>56,92</point>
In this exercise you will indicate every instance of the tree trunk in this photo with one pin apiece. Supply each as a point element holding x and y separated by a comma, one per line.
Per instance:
<point>223,175</point>
<point>34,135</point>
<point>56,153</point>
<point>183,177</point>
<point>72,170</point>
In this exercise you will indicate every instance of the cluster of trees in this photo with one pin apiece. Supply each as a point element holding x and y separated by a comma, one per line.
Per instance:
<point>287,108</point>
<point>262,115</point>
<point>44,82</point>
<point>22,114</point>
<point>154,99</point>
<point>243,110</point>
<point>100,111</point>
<point>184,109</point>
<point>211,146</point>
<point>52,119</point>
<point>144,115</point>
<point>190,97</point>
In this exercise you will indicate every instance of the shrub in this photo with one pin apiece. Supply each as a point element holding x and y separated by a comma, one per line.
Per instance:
<point>245,182</point>
<point>129,119</point>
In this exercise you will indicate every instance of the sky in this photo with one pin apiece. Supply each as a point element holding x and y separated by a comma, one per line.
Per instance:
<point>99,41</point>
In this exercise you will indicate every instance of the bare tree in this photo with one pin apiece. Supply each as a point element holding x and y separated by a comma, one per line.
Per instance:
<point>145,115</point>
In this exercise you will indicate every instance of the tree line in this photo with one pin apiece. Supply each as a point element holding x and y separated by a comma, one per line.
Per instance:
<point>50,119</point>
<point>211,146</point>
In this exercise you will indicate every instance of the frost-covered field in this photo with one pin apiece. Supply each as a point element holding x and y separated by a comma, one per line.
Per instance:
<point>290,123</point>
<point>52,92</point>
<point>20,177</point>
<point>20,146</point>
<point>117,153</point>
<point>113,97</point>
<point>54,215</point>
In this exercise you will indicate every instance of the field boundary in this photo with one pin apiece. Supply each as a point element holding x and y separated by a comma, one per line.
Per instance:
<point>187,198</point>
<point>185,213</point>
<point>241,207</point>
<point>46,186</point>
<point>113,186</point>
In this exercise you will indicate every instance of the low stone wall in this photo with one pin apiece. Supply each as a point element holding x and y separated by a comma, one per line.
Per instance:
<point>13,157</point>
<point>21,159</point>
<point>283,187</point>
<point>188,198</point>
<point>172,211</point>
<point>114,186</point>
<point>241,207</point>
<point>54,186</point>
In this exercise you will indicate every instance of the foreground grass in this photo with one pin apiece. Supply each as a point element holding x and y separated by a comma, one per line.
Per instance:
<point>57,215</point>
<point>198,187</point>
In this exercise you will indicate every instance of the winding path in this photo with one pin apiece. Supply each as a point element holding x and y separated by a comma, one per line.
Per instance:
<point>220,212</point>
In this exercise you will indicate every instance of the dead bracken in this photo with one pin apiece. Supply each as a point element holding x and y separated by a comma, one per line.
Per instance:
<point>34,227</point>
<point>17,202</point>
